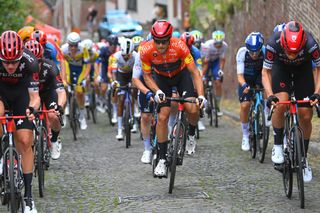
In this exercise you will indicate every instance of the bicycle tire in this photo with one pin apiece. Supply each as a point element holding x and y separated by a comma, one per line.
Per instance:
<point>197,132</point>
<point>252,136</point>
<point>174,156</point>
<point>287,175</point>
<point>40,160</point>
<point>12,179</point>
<point>93,105</point>
<point>127,125</point>
<point>210,110</point>
<point>73,117</point>
<point>216,118</point>
<point>109,106</point>
<point>299,164</point>
<point>262,138</point>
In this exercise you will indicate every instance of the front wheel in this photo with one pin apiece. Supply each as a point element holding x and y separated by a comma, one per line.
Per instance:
<point>174,154</point>
<point>299,164</point>
<point>262,134</point>
<point>12,181</point>
<point>287,175</point>
<point>252,134</point>
<point>127,125</point>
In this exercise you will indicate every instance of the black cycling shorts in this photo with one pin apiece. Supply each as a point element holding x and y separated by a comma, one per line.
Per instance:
<point>49,98</point>
<point>182,81</point>
<point>144,106</point>
<point>16,99</point>
<point>302,76</point>
<point>124,78</point>
<point>104,73</point>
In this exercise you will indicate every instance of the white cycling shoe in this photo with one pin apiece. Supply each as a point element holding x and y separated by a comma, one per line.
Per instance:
<point>277,154</point>
<point>191,145</point>
<point>146,156</point>
<point>161,169</point>
<point>307,173</point>
<point>245,146</point>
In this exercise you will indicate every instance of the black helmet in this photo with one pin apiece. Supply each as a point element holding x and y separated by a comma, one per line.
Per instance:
<point>112,39</point>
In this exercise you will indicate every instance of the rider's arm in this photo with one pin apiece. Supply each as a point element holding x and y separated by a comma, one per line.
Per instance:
<point>137,73</point>
<point>150,82</point>
<point>266,81</point>
<point>266,70</point>
<point>222,63</point>
<point>34,99</point>
<point>240,58</point>
<point>317,80</point>
<point>196,77</point>
<point>205,66</point>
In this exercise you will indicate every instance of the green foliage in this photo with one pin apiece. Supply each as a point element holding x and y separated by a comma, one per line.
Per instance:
<point>13,13</point>
<point>213,13</point>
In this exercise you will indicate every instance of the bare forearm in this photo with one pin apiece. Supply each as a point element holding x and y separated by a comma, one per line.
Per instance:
<point>198,82</point>
<point>34,100</point>
<point>317,80</point>
<point>150,82</point>
<point>204,67</point>
<point>87,71</point>
<point>222,63</point>
<point>241,79</point>
<point>62,97</point>
<point>266,81</point>
<point>140,85</point>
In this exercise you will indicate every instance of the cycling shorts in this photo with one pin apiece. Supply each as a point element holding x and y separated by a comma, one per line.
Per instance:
<point>104,73</point>
<point>182,81</point>
<point>144,106</point>
<point>49,98</point>
<point>214,67</point>
<point>302,79</point>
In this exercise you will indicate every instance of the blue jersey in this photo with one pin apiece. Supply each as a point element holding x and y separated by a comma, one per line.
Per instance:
<point>50,53</point>
<point>196,54</point>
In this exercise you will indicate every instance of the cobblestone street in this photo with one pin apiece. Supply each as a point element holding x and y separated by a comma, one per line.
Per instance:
<point>98,174</point>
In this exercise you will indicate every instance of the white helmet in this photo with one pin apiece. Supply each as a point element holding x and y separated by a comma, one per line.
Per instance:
<point>87,43</point>
<point>126,46</point>
<point>73,38</point>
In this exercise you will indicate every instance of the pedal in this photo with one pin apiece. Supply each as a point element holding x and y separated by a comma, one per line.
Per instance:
<point>278,167</point>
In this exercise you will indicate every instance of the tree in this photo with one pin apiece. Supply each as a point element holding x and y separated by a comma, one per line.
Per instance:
<point>13,14</point>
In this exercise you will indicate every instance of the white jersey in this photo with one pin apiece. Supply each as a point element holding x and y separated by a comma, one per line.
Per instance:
<point>211,53</point>
<point>137,68</point>
<point>119,64</point>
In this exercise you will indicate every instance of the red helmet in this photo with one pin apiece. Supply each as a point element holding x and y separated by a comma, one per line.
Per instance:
<point>11,46</point>
<point>39,36</point>
<point>35,47</point>
<point>187,38</point>
<point>161,29</point>
<point>293,37</point>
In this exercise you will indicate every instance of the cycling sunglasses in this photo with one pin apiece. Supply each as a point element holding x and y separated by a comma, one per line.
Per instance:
<point>161,41</point>
<point>11,61</point>
<point>254,52</point>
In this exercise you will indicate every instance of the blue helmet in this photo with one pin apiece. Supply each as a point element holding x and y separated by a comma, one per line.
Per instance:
<point>279,27</point>
<point>176,34</point>
<point>254,41</point>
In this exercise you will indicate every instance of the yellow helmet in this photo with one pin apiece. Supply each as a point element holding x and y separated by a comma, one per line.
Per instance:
<point>26,32</point>
<point>137,40</point>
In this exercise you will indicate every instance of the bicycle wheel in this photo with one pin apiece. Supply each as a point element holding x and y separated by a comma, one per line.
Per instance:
<point>40,149</point>
<point>73,117</point>
<point>109,106</point>
<point>127,125</point>
<point>174,155</point>
<point>252,134</point>
<point>210,108</point>
<point>299,163</point>
<point>215,114</point>
<point>12,182</point>
<point>287,174</point>
<point>93,105</point>
<point>261,138</point>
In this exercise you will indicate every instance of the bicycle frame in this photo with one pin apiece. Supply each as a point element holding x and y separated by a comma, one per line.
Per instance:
<point>257,101</point>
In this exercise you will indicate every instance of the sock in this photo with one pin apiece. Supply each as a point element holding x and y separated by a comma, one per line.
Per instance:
<point>278,136</point>
<point>27,184</point>
<point>82,111</point>
<point>218,98</point>
<point>245,129</point>
<point>55,135</point>
<point>119,122</point>
<point>163,149</point>
<point>114,107</point>
<point>147,145</point>
<point>306,146</point>
<point>192,130</point>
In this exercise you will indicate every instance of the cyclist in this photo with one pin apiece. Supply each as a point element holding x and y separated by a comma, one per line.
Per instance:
<point>198,38</point>
<point>288,53</point>
<point>105,53</point>
<point>176,34</point>
<point>122,67</point>
<point>19,89</point>
<point>188,38</point>
<point>214,52</point>
<point>25,33</point>
<point>77,69</point>
<point>249,65</point>
<point>170,59</point>
<point>136,42</point>
<point>52,93</point>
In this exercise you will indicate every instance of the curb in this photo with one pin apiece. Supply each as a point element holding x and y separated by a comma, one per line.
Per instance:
<point>314,147</point>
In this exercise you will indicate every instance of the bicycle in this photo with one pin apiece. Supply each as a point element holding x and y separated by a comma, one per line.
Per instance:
<point>109,105</point>
<point>294,159</point>
<point>91,109</point>
<point>74,112</point>
<point>212,107</point>
<point>259,132</point>
<point>127,112</point>
<point>12,177</point>
<point>153,138</point>
<point>178,137</point>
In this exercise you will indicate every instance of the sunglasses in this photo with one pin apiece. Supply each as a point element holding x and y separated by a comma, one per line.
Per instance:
<point>254,52</point>
<point>10,61</point>
<point>161,41</point>
<point>73,45</point>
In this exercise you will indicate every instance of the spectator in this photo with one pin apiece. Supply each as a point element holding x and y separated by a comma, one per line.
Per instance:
<point>91,19</point>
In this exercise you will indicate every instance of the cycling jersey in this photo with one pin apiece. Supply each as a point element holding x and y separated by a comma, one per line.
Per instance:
<point>119,64</point>
<point>276,54</point>
<point>76,66</point>
<point>196,54</point>
<point>169,64</point>
<point>49,77</point>
<point>211,53</point>
<point>104,56</point>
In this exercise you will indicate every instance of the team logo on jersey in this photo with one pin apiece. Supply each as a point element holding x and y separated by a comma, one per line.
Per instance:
<point>22,66</point>
<point>269,55</point>
<point>294,38</point>
<point>154,54</point>
<point>282,85</point>
<point>315,54</point>
<point>35,76</point>
<point>58,78</point>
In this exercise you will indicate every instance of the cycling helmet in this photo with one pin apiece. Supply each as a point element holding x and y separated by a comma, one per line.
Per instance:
<point>293,37</point>
<point>126,46</point>
<point>87,43</point>
<point>187,38</point>
<point>112,39</point>
<point>218,37</point>
<point>35,47</point>
<point>254,41</point>
<point>11,46</point>
<point>161,29</point>
<point>25,32</point>
<point>73,38</point>
<point>176,34</point>
<point>279,27</point>
<point>149,37</point>
<point>39,36</point>
<point>198,36</point>
<point>137,40</point>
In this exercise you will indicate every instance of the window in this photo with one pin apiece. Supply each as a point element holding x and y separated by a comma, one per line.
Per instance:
<point>132,5</point>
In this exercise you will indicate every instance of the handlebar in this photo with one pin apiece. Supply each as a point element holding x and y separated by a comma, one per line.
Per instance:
<point>181,100</point>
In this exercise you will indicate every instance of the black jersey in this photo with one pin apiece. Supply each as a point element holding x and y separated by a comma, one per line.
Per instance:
<point>49,77</point>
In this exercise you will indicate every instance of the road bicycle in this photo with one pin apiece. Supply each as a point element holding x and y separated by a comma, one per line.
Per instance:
<point>74,112</point>
<point>211,107</point>
<point>92,108</point>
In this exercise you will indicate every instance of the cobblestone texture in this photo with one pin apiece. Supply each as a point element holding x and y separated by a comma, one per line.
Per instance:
<point>97,174</point>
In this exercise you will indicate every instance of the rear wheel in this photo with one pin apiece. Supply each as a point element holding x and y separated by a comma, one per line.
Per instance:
<point>93,105</point>
<point>73,117</point>
<point>127,125</point>
<point>40,149</point>
<point>263,132</point>
<point>12,180</point>
<point>215,113</point>
<point>252,135</point>
<point>210,108</point>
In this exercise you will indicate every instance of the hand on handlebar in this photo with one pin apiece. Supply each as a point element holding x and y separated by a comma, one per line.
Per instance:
<point>160,96</point>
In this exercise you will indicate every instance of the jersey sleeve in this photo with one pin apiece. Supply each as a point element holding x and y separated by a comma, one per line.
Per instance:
<point>145,61</point>
<point>33,78</point>
<point>313,50</point>
<point>240,60</point>
<point>270,54</point>
<point>197,57</point>
<point>225,47</point>
<point>137,69</point>
<point>185,53</point>
<point>86,55</point>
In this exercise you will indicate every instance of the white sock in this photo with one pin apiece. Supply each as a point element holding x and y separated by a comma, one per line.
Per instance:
<point>245,129</point>
<point>119,122</point>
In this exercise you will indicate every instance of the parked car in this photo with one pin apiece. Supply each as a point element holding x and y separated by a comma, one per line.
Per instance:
<point>118,22</point>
